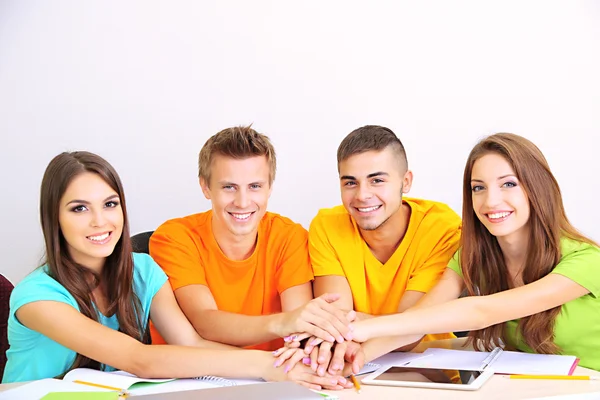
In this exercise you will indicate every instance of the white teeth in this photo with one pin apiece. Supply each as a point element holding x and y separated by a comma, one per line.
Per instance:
<point>98,238</point>
<point>241,217</point>
<point>368,209</point>
<point>499,215</point>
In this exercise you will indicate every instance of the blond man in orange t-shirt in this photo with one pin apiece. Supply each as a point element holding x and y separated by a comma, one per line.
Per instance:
<point>242,275</point>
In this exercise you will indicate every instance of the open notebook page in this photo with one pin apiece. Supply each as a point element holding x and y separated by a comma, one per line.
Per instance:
<point>118,379</point>
<point>509,362</point>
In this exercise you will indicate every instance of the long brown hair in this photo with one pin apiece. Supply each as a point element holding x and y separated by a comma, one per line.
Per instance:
<point>481,258</point>
<point>80,281</point>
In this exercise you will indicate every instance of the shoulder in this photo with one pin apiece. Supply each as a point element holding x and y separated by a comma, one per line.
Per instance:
<point>183,225</point>
<point>275,225</point>
<point>434,213</point>
<point>147,273</point>
<point>582,252</point>
<point>337,217</point>
<point>37,286</point>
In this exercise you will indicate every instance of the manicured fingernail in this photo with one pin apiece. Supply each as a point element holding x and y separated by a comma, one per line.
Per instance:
<point>321,371</point>
<point>306,361</point>
<point>342,380</point>
<point>275,352</point>
<point>314,342</point>
<point>276,364</point>
<point>287,369</point>
<point>331,339</point>
<point>287,338</point>
<point>334,382</point>
<point>294,337</point>
<point>351,327</point>
<point>340,339</point>
<point>350,336</point>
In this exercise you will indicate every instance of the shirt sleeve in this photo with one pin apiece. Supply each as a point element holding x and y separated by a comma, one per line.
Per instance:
<point>150,275</point>
<point>172,246</point>
<point>427,275</point>
<point>323,257</point>
<point>582,265</point>
<point>294,268</point>
<point>42,287</point>
<point>454,264</point>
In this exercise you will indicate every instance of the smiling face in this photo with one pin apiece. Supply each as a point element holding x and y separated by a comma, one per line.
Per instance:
<point>91,219</point>
<point>239,191</point>
<point>499,200</point>
<point>372,184</point>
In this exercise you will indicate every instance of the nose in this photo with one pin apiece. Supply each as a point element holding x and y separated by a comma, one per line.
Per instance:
<point>493,198</point>
<point>363,193</point>
<point>98,218</point>
<point>242,200</point>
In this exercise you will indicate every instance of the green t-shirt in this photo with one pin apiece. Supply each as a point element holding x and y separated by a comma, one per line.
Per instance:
<point>577,327</point>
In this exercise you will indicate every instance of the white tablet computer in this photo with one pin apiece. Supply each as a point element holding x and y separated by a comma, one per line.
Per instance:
<point>435,378</point>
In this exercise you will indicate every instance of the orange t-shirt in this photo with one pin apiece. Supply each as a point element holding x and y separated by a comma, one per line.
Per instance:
<point>187,251</point>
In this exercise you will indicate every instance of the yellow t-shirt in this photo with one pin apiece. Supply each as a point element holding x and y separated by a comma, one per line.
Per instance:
<point>337,248</point>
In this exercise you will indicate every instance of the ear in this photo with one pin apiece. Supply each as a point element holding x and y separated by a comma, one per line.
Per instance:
<point>407,181</point>
<point>205,188</point>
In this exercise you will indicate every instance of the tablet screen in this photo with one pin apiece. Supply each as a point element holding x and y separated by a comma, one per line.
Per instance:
<point>436,375</point>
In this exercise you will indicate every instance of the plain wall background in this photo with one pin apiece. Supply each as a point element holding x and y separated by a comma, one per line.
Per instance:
<point>145,83</point>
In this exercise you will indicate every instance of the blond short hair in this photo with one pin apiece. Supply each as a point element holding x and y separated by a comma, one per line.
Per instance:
<point>238,142</point>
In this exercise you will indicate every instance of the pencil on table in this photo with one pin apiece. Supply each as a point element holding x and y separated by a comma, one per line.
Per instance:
<point>356,383</point>
<point>558,377</point>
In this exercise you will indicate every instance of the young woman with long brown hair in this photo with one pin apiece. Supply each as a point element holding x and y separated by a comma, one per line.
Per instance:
<point>532,279</point>
<point>89,304</point>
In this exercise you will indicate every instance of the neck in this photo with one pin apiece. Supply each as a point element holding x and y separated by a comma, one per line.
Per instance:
<point>234,247</point>
<point>514,250</point>
<point>388,236</point>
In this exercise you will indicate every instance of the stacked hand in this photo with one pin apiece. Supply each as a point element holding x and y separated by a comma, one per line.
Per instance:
<point>323,353</point>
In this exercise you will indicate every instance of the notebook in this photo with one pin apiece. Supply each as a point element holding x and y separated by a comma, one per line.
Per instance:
<point>54,387</point>
<point>119,381</point>
<point>500,361</point>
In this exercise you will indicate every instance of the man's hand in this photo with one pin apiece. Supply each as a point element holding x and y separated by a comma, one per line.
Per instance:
<point>317,318</point>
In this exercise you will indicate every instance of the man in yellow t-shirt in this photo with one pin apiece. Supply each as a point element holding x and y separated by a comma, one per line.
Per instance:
<point>381,252</point>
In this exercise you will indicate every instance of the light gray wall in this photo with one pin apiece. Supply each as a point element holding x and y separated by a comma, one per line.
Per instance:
<point>145,83</point>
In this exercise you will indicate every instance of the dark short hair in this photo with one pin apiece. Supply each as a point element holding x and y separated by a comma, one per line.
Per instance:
<point>371,138</point>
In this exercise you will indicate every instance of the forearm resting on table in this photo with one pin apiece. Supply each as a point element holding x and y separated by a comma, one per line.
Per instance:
<point>185,362</point>
<point>236,329</point>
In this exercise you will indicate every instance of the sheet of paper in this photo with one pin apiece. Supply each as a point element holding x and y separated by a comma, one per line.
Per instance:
<point>116,379</point>
<point>81,396</point>
<point>509,362</point>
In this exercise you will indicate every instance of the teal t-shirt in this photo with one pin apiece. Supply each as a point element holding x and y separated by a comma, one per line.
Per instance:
<point>34,356</point>
<point>577,327</point>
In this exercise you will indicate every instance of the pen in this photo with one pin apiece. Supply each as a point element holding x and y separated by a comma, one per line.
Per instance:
<point>356,383</point>
<point>491,357</point>
<point>561,377</point>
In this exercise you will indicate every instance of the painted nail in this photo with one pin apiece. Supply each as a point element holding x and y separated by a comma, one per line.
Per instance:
<point>275,352</point>
<point>287,369</point>
<point>314,342</point>
<point>321,371</point>
<point>287,338</point>
<point>334,382</point>
<point>306,361</point>
<point>350,336</point>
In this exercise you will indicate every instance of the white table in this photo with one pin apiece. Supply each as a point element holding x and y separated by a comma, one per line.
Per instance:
<point>498,387</point>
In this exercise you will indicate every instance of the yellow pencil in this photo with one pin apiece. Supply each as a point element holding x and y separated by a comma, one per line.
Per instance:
<point>561,377</point>
<point>98,385</point>
<point>356,383</point>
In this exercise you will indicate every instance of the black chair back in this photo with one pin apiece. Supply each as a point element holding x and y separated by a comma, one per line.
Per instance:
<point>140,242</point>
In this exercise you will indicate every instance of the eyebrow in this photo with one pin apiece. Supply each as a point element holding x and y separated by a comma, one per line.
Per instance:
<point>235,184</point>
<point>499,178</point>
<point>372,175</point>
<point>87,202</point>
